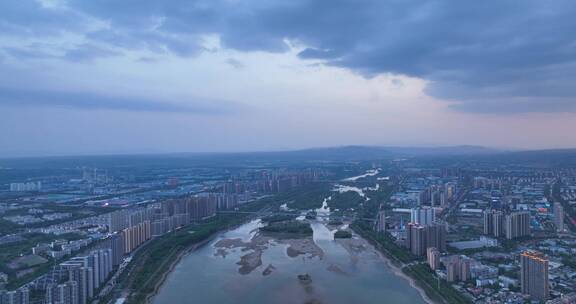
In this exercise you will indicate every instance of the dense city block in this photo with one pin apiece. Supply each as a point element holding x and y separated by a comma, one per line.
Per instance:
<point>465,228</point>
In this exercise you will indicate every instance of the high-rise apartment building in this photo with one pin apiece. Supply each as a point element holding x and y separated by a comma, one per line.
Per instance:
<point>494,223</point>
<point>433,257</point>
<point>534,275</point>
<point>465,273</point>
<point>453,269</point>
<point>458,268</point>
<point>23,187</point>
<point>118,220</point>
<point>517,225</point>
<point>117,246</point>
<point>419,238</point>
<point>436,236</point>
<point>65,293</point>
<point>416,239</point>
<point>83,278</point>
<point>18,296</point>
<point>559,216</point>
<point>136,235</point>
<point>422,215</point>
<point>381,221</point>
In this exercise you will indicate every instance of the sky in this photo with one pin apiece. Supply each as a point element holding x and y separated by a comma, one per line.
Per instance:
<point>148,76</point>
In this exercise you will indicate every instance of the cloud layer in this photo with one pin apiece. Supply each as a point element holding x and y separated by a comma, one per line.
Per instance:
<point>94,101</point>
<point>496,56</point>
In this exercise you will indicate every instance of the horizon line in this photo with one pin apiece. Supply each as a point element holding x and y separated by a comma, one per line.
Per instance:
<point>151,153</point>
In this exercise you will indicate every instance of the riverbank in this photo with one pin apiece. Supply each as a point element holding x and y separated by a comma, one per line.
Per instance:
<point>342,271</point>
<point>151,265</point>
<point>157,260</point>
<point>418,279</point>
<point>192,248</point>
<point>395,267</point>
<point>174,262</point>
<point>413,283</point>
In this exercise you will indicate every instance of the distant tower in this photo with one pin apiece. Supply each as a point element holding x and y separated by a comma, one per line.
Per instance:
<point>559,216</point>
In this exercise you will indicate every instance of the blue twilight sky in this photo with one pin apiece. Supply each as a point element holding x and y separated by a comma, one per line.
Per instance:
<point>122,76</point>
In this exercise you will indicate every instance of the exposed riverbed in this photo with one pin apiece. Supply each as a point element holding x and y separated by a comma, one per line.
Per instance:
<point>244,266</point>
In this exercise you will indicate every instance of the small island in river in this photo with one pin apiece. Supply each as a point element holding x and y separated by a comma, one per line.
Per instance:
<point>289,227</point>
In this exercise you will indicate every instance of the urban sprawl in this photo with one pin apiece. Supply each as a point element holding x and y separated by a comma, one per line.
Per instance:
<point>480,232</point>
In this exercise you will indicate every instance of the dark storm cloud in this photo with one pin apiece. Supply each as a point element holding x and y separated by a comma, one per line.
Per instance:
<point>496,51</point>
<point>159,42</point>
<point>93,101</point>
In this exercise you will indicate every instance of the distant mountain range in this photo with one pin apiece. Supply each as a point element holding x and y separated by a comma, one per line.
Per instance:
<point>364,153</point>
<point>344,153</point>
<point>375,151</point>
<point>358,153</point>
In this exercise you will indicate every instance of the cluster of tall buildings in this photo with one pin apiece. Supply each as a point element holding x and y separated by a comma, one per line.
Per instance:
<point>534,275</point>
<point>283,182</point>
<point>81,276</point>
<point>481,182</point>
<point>458,269</point>
<point>138,226</point>
<point>437,195</point>
<point>494,223</point>
<point>132,227</point>
<point>268,181</point>
<point>85,275</point>
<point>423,232</point>
<point>226,201</point>
<point>19,296</point>
<point>421,237</point>
<point>76,280</point>
<point>517,225</point>
<point>26,187</point>
<point>511,226</point>
<point>136,235</point>
<point>94,175</point>
<point>233,187</point>
<point>423,215</point>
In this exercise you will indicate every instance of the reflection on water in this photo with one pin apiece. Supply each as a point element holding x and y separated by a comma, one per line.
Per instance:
<point>368,173</point>
<point>350,271</point>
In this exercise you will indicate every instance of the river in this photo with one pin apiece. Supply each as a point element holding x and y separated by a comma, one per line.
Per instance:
<point>348,271</point>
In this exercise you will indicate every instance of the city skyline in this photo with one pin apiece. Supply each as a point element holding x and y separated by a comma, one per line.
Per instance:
<point>483,228</point>
<point>222,76</point>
